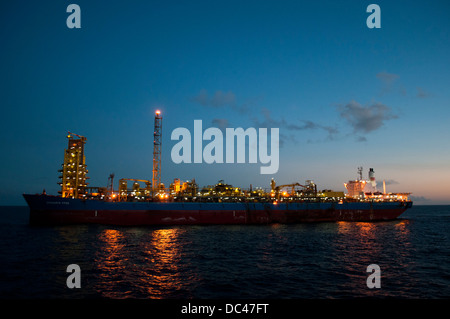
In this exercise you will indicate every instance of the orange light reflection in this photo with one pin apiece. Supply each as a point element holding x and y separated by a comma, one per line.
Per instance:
<point>111,262</point>
<point>162,257</point>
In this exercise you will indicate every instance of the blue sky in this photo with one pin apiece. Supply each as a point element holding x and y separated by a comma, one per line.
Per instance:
<point>343,95</point>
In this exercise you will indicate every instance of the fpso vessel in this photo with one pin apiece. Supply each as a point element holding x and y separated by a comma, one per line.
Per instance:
<point>184,203</point>
<point>46,209</point>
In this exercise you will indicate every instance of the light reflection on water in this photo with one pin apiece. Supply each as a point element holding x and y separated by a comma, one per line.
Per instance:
<point>162,253</point>
<point>136,264</point>
<point>318,260</point>
<point>387,244</point>
<point>326,260</point>
<point>111,262</point>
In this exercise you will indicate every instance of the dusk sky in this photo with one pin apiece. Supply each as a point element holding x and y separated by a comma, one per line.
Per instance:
<point>343,95</point>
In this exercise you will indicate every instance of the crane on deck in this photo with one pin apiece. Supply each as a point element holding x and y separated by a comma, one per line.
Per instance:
<point>309,189</point>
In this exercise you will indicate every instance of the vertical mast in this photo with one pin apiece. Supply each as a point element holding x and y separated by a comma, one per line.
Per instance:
<point>360,169</point>
<point>156,179</point>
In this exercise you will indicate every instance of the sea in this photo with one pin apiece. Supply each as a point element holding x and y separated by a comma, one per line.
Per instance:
<point>407,258</point>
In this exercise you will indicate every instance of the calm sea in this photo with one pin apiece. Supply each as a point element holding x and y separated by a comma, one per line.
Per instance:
<point>319,260</point>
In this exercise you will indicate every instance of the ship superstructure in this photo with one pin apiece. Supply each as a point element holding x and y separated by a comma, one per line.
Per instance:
<point>356,189</point>
<point>74,170</point>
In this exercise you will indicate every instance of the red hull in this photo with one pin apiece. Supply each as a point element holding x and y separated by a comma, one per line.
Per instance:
<point>144,217</point>
<point>46,209</point>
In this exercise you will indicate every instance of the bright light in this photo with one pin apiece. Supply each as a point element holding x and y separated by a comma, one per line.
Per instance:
<point>158,112</point>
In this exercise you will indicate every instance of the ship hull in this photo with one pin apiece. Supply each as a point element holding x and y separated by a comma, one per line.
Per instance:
<point>53,210</point>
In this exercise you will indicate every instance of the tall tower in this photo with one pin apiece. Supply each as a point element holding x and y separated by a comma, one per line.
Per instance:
<point>156,179</point>
<point>73,178</point>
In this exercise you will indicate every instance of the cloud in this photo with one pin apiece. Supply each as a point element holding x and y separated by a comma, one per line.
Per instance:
<point>296,126</point>
<point>365,119</point>
<point>387,78</point>
<point>309,125</point>
<point>222,124</point>
<point>263,118</point>
<point>361,139</point>
<point>421,93</point>
<point>390,83</point>
<point>217,100</point>
<point>221,99</point>
<point>419,199</point>
<point>391,182</point>
<point>292,127</point>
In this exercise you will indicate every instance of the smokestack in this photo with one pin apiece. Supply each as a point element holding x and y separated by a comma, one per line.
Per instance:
<point>384,187</point>
<point>372,177</point>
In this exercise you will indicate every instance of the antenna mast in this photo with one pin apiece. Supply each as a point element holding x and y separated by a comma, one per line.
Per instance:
<point>360,170</point>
